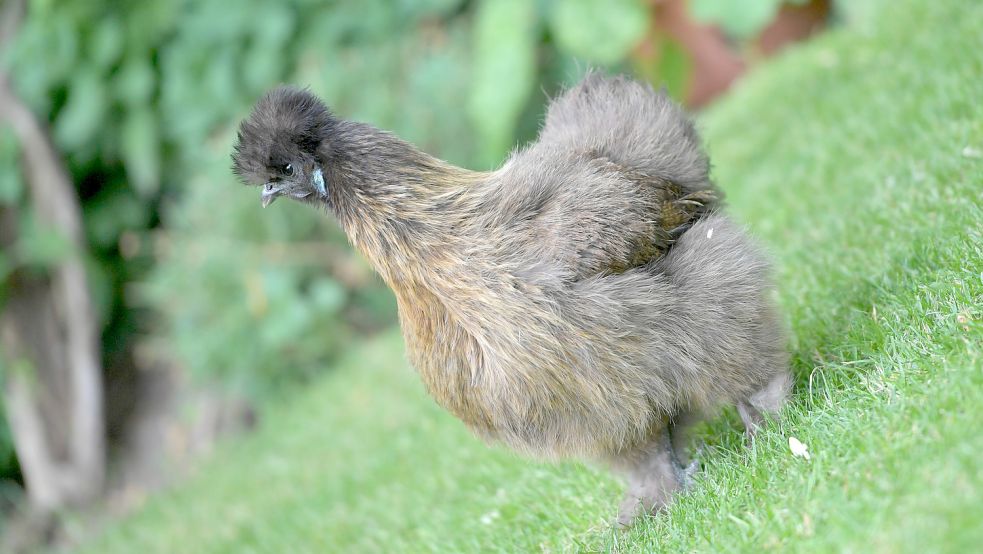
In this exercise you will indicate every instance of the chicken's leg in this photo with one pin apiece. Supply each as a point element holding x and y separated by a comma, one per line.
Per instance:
<point>765,402</point>
<point>680,435</point>
<point>653,477</point>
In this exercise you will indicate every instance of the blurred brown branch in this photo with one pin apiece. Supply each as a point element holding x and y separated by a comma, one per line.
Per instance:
<point>54,398</point>
<point>716,62</point>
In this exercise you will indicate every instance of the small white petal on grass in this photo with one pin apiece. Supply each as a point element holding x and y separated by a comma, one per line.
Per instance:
<point>710,232</point>
<point>807,527</point>
<point>797,448</point>
<point>970,152</point>
<point>488,518</point>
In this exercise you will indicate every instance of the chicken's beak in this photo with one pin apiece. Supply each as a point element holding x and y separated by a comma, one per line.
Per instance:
<point>270,192</point>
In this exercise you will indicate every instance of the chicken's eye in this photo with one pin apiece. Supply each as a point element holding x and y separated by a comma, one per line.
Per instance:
<point>289,170</point>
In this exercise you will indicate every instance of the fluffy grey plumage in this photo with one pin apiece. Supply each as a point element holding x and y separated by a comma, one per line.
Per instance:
<point>586,299</point>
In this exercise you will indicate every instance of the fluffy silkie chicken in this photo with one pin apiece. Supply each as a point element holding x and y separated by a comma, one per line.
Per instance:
<point>587,299</point>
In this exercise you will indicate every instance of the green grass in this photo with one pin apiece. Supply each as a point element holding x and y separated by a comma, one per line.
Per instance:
<point>858,159</point>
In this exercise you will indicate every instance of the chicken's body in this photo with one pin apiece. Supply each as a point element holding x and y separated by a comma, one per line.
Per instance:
<point>581,299</point>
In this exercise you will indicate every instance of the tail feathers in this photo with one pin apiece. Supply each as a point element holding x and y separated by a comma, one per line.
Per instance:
<point>631,124</point>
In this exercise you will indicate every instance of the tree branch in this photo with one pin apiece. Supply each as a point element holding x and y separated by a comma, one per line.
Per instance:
<point>11,15</point>
<point>51,322</point>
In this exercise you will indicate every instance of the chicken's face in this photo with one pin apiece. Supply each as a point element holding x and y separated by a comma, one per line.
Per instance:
<point>295,175</point>
<point>278,144</point>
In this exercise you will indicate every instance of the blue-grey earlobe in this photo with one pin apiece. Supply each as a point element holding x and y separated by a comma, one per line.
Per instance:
<point>317,179</point>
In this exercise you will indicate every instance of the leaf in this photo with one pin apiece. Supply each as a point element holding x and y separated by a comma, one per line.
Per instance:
<point>601,32</point>
<point>141,151</point>
<point>740,18</point>
<point>134,83</point>
<point>676,68</point>
<point>669,65</point>
<point>84,112</point>
<point>504,72</point>
<point>41,56</point>
<point>107,42</point>
<point>148,22</point>
<point>111,212</point>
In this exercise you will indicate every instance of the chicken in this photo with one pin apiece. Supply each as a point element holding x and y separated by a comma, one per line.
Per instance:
<point>588,299</point>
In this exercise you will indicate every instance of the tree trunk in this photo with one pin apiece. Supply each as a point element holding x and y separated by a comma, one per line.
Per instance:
<point>48,333</point>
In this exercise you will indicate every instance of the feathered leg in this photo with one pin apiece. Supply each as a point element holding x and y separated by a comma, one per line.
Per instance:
<point>767,401</point>
<point>653,477</point>
<point>680,431</point>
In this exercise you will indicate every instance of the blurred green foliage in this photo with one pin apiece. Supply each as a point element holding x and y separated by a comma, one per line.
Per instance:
<point>600,32</point>
<point>741,18</point>
<point>143,99</point>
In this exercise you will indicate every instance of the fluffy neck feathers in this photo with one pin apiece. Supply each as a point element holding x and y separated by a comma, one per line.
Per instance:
<point>394,201</point>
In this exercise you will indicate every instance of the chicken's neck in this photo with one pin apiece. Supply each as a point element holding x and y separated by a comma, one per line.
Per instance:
<point>395,203</point>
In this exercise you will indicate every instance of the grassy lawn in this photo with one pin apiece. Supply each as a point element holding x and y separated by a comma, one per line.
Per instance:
<point>858,159</point>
